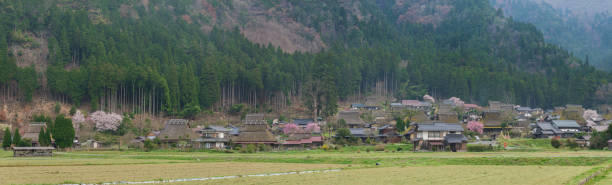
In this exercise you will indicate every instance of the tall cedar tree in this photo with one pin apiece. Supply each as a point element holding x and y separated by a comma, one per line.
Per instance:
<point>17,138</point>
<point>44,137</point>
<point>6,140</point>
<point>63,132</point>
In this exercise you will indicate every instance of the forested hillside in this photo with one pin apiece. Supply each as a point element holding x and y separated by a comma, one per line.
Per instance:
<point>582,27</point>
<point>182,57</point>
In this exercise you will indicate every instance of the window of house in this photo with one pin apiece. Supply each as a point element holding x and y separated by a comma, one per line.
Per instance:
<point>419,134</point>
<point>434,134</point>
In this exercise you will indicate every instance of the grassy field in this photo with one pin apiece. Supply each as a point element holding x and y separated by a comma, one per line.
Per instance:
<point>548,166</point>
<point>459,175</point>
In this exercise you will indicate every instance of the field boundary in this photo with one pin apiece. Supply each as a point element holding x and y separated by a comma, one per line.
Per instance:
<point>215,178</point>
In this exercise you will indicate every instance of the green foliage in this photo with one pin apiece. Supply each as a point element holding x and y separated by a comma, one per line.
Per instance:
<point>555,143</point>
<point>73,110</point>
<point>44,138</point>
<point>236,109</point>
<point>25,143</point>
<point>571,143</point>
<point>63,132</point>
<point>149,145</point>
<point>57,108</point>
<point>479,148</point>
<point>16,138</point>
<point>6,139</point>
<point>190,111</point>
<point>399,125</point>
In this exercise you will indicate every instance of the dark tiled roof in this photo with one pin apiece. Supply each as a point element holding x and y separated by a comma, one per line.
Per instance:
<point>361,132</point>
<point>454,138</point>
<point>440,127</point>
<point>566,123</point>
<point>303,121</point>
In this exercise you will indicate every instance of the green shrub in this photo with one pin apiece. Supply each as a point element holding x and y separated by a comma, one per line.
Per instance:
<point>571,143</point>
<point>555,143</point>
<point>380,147</point>
<point>479,148</point>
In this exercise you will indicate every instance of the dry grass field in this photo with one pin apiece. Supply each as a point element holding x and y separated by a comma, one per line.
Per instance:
<point>502,167</point>
<point>457,175</point>
<point>142,172</point>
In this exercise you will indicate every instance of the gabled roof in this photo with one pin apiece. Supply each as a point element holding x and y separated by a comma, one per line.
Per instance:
<point>351,117</point>
<point>252,119</point>
<point>176,129</point>
<point>214,128</point>
<point>439,127</point>
<point>33,130</point>
<point>524,109</point>
<point>548,128</point>
<point>566,123</point>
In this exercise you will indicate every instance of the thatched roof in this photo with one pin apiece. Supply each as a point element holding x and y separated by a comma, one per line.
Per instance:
<point>33,130</point>
<point>255,137</point>
<point>351,117</point>
<point>176,129</point>
<point>250,119</point>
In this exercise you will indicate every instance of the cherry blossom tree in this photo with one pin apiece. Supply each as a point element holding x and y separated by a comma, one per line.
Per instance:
<point>78,117</point>
<point>457,101</point>
<point>591,115</point>
<point>475,126</point>
<point>429,98</point>
<point>106,121</point>
<point>313,127</point>
<point>291,128</point>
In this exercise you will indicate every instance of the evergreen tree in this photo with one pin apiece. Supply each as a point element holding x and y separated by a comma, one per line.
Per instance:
<point>63,132</point>
<point>6,140</point>
<point>17,138</point>
<point>209,86</point>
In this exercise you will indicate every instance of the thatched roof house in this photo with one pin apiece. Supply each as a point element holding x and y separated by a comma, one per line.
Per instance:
<point>352,119</point>
<point>32,132</point>
<point>255,131</point>
<point>176,130</point>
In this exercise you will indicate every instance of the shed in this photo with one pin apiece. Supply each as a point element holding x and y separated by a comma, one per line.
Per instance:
<point>33,151</point>
<point>352,119</point>
<point>33,130</point>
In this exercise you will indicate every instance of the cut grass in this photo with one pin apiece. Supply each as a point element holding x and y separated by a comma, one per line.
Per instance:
<point>141,172</point>
<point>452,174</point>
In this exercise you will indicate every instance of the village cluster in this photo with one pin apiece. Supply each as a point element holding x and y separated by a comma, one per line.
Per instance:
<point>429,125</point>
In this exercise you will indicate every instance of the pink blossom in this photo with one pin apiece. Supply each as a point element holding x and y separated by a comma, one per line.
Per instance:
<point>457,101</point>
<point>106,121</point>
<point>313,127</point>
<point>291,128</point>
<point>78,117</point>
<point>429,98</point>
<point>475,126</point>
<point>591,115</point>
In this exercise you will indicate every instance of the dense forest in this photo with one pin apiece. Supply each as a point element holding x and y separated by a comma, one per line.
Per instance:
<point>582,27</point>
<point>160,64</point>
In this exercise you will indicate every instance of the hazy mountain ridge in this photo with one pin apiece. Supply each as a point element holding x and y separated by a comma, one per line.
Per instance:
<point>583,27</point>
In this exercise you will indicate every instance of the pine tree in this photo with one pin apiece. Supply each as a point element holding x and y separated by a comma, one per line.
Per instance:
<point>6,140</point>
<point>64,132</point>
<point>17,138</point>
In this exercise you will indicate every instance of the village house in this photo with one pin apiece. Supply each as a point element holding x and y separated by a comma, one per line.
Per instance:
<point>388,134</point>
<point>352,119</point>
<point>176,131</point>
<point>212,137</point>
<point>438,136</point>
<point>302,141</point>
<point>416,105</point>
<point>255,130</point>
<point>447,114</point>
<point>32,131</point>
<point>556,128</point>
<point>363,134</point>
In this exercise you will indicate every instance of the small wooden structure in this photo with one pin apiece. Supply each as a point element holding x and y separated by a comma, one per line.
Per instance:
<point>33,151</point>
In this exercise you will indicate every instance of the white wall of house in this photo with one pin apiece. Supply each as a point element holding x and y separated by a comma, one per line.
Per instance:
<point>431,135</point>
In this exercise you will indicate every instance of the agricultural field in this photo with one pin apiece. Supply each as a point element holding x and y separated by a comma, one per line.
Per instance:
<point>356,165</point>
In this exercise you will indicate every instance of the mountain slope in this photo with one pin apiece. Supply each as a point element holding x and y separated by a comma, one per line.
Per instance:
<point>583,27</point>
<point>180,57</point>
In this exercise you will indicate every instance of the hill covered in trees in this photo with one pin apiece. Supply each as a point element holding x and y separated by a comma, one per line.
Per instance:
<point>583,27</point>
<point>182,57</point>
